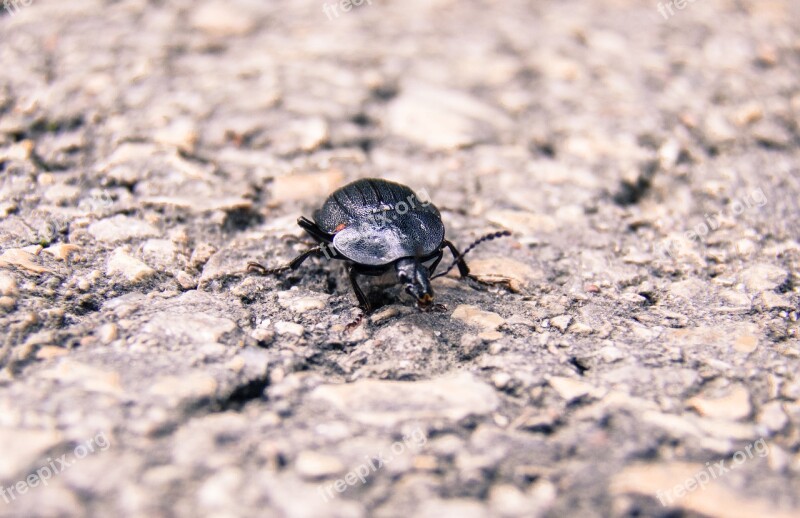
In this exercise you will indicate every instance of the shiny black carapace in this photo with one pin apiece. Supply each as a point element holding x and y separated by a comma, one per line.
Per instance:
<point>375,225</point>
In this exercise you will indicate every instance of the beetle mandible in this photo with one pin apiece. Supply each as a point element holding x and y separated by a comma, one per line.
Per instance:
<point>362,224</point>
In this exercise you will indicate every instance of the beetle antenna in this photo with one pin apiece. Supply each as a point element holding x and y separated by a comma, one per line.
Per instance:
<point>482,239</point>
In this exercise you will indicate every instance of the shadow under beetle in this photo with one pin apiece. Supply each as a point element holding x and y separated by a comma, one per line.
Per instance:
<point>374,225</point>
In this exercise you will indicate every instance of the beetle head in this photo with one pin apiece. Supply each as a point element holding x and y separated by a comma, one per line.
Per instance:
<point>416,278</point>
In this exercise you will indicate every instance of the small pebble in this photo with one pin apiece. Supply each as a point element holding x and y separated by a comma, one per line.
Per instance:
<point>8,285</point>
<point>561,322</point>
<point>289,328</point>
<point>107,333</point>
<point>7,303</point>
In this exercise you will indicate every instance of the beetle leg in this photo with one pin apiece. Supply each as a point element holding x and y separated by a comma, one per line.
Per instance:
<point>355,323</point>
<point>435,263</point>
<point>434,308</point>
<point>362,299</point>
<point>260,269</point>
<point>463,269</point>
<point>295,263</point>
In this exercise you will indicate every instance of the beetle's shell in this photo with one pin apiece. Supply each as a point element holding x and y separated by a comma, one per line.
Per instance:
<point>376,222</point>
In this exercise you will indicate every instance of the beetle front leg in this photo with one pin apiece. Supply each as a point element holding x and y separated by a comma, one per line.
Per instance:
<point>433,266</point>
<point>463,269</point>
<point>362,299</point>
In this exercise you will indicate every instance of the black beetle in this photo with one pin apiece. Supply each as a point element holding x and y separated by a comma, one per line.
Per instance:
<point>375,225</point>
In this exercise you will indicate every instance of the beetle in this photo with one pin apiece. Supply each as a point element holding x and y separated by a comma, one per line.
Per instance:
<point>375,225</point>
